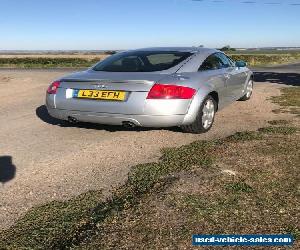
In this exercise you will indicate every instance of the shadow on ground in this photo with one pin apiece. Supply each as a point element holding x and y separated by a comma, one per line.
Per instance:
<point>292,79</point>
<point>42,113</point>
<point>7,169</point>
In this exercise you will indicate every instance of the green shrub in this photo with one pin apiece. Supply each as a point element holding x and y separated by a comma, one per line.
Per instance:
<point>43,62</point>
<point>266,59</point>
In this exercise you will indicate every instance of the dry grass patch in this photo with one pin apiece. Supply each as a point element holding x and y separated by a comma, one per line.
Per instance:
<point>289,100</point>
<point>279,122</point>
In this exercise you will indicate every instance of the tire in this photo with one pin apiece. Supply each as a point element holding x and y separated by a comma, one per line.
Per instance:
<point>202,124</point>
<point>249,90</point>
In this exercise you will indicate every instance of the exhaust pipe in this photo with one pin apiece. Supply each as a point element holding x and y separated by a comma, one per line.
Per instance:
<point>72,120</point>
<point>128,124</point>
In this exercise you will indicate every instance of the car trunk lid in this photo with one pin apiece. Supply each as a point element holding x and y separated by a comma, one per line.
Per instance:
<point>137,81</point>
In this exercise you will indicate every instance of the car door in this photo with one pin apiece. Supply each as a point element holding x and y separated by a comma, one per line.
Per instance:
<point>212,69</point>
<point>235,77</point>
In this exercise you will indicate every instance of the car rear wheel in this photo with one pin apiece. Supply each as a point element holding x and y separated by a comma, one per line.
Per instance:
<point>205,117</point>
<point>249,90</point>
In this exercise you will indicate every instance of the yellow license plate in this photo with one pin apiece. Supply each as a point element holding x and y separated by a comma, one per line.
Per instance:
<point>102,94</point>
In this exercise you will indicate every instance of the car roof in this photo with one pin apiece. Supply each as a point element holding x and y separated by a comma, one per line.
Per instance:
<point>181,49</point>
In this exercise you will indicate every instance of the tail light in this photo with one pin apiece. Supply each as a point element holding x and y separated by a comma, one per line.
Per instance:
<point>164,91</point>
<point>52,89</point>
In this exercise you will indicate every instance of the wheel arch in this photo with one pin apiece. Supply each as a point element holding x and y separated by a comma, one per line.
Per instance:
<point>215,95</point>
<point>196,104</point>
<point>252,76</point>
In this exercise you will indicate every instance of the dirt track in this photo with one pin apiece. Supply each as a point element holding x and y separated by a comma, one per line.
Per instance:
<point>58,162</point>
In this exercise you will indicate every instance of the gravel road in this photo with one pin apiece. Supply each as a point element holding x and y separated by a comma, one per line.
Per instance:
<point>41,161</point>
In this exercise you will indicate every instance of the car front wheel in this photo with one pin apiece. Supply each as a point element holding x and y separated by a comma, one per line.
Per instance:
<point>205,117</point>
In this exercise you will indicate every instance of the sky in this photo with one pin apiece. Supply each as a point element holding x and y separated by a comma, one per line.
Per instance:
<point>127,24</point>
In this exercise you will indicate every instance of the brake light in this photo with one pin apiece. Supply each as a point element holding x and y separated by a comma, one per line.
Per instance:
<point>52,89</point>
<point>164,91</point>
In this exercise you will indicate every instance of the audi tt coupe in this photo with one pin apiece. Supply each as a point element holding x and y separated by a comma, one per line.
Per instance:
<point>153,87</point>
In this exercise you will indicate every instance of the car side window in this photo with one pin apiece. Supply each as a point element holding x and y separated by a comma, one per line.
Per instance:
<point>232,62</point>
<point>225,61</point>
<point>212,62</point>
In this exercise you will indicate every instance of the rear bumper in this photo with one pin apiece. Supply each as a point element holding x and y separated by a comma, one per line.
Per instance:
<point>118,119</point>
<point>156,113</point>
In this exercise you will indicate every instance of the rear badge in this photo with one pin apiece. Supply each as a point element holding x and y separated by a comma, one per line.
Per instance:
<point>100,86</point>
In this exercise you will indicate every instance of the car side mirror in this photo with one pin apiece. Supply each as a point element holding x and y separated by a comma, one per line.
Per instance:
<point>240,64</point>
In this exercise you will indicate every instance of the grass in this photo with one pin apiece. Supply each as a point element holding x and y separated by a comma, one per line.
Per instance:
<point>267,59</point>
<point>245,136</point>
<point>278,130</point>
<point>279,122</point>
<point>44,62</point>
<point>239,186</point>
<point>289,100</point>
<point>53,224</point>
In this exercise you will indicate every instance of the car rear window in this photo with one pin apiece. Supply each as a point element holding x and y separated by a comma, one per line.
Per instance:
<point>142,61</point>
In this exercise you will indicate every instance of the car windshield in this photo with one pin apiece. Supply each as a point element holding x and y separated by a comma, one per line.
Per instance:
<point>142,61</point>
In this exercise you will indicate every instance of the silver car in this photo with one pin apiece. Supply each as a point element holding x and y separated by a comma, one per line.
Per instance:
<point>153,87</point>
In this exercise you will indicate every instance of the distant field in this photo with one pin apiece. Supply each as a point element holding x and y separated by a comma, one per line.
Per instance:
<point>74,60</point>
<point>49,60</point>
<point>266,59</point>
<point>264,52</point>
